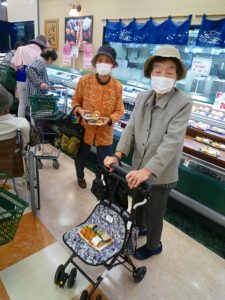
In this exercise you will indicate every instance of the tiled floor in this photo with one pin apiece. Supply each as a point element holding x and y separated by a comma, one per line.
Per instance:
<point>184,270</point>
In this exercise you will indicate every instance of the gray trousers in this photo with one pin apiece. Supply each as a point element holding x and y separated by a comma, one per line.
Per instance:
<point>150,215</point>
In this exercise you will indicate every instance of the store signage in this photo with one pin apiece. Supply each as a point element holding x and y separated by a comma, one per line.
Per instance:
<point>219,101</point>
<point>66,55</point>
<point>201,66</point>
<point>87,57</point>
<point>74,51</point>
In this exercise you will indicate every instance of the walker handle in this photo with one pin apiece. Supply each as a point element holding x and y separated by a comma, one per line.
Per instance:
<point>145,186</point>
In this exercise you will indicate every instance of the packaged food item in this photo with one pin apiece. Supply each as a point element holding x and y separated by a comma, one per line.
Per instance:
<point>98,122</point>
<point>95,115</point>
<point>95,236</point>
<point>210,151</point>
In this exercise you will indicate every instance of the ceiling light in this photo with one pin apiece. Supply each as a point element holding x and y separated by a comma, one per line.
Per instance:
<point>4,3</point>
<point>74,10</point>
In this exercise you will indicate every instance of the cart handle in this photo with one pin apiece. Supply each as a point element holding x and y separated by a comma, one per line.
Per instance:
<point>145,186</point>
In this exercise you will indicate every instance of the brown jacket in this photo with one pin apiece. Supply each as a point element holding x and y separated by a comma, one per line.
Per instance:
<point>107,99</point>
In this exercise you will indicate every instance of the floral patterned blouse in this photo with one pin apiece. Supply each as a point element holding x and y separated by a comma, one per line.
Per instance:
<point>107,99</point>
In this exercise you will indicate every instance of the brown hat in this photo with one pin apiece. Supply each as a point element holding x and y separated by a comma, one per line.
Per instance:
<point>165,51</point>
<point>6,99</point>
<point>40,40</point>
<point>106,50</point>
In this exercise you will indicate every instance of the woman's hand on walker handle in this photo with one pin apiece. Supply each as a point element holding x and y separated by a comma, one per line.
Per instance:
<point>109,160</point>
<point>136,177</point>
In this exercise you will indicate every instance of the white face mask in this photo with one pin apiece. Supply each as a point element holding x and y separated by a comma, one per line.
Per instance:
<point>103,69</point>
<point>162,85</point>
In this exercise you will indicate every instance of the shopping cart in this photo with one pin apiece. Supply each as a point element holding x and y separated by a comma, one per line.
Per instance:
<point>120,234</point>
<point>43,110</point>
<point>11,211</point>
<point>16,162</point>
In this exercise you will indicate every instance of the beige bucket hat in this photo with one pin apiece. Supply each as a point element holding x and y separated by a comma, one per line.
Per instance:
<point>165,51</point>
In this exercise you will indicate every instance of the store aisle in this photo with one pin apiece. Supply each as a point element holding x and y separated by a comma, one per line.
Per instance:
<point>184,270</point>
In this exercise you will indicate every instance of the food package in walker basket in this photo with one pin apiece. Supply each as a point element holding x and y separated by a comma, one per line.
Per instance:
<point>95,236</point>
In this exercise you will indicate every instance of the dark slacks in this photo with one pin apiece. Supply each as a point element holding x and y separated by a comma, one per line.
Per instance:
<point>150,215</point>
<point>81,159</point>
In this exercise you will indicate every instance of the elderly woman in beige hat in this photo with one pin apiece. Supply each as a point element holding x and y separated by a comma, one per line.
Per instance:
<point>156,129</point>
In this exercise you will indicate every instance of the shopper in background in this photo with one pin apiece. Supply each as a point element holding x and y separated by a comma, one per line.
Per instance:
<point>9,122</point>
<point>8,57</point>
<point>37,78</point>
<point>98,92</point>
<point>156,129</point>
<point>24,56</point>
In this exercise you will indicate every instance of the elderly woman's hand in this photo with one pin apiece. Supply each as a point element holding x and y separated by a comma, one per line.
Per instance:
<point>82,111</point>
<point>109,160</point>
<point>43,86</point>
<point>105,121</point>
<point>136,177</point>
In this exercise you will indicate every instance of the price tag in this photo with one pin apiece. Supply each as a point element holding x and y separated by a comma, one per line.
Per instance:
<point>109,218</point>
<point>201,66</point>
<point>219,101</point>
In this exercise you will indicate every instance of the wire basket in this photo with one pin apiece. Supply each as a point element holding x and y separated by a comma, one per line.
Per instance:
<point>11,211</point>
<point>44,106</point>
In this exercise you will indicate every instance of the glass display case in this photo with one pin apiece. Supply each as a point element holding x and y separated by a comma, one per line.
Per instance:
<point>205,65</point>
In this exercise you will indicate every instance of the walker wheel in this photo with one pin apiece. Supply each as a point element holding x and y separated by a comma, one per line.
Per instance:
<point>84,295</point>
<point>55,164</point>
<point>139,274</point>
<point>39,163</point>
<point>59,274</point>
<point>71,278</point>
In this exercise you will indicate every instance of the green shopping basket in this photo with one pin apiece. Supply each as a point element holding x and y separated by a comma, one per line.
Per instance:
<point>11,211</point>
<point>44,106</point>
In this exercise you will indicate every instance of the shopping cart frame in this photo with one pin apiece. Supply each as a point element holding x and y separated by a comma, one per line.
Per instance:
<point>47,113</point>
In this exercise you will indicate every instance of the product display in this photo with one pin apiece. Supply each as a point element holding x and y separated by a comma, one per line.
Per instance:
<point>210,142</point>
<point>210,151</point>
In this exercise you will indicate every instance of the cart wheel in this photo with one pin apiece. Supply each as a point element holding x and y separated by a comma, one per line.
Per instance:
<point>56,164</point>
<point>139,274</point>
<point>84,295</point>
<point>99,297</point>
<point>39,163</point>
<point>59,274</point>
<point>71,278</point>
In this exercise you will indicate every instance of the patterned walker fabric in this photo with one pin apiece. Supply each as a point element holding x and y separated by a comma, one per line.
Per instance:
<point>116,228</point>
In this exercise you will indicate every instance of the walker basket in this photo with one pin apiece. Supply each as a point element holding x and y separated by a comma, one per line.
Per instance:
<point>11,211</point>
<point>44,106</point>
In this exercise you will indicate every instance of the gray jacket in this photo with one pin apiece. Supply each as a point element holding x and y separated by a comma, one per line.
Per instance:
<point>157,133</point>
